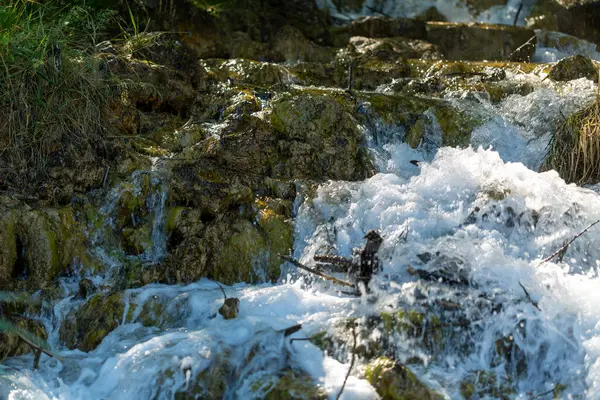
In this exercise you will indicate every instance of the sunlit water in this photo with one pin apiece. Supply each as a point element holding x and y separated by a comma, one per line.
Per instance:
<point>484,206</point>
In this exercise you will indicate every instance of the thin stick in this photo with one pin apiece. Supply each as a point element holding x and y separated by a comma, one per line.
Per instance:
<point>351,363</point>
<point>566,245</point>
<point>105,176</point>
<point>222,290</point>
<point>537,396</point>
<point>314,271</point>
<point>535,304</point>
<point>518,12</point>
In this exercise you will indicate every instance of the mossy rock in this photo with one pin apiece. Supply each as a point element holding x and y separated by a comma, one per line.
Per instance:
<point>86,327</point>
<point>38,245</point>
<point>481,384</point>
<point>394,381</point>
<point>574,67</point>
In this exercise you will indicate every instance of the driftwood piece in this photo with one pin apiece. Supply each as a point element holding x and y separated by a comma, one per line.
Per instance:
<point>314,271</point>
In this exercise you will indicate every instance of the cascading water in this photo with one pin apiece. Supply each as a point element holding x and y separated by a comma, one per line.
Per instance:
<point>477,218</point>
<point>473,213</point>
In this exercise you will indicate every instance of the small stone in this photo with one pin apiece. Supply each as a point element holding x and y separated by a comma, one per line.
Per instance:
<point>574,67</point>
<point>231,308</point>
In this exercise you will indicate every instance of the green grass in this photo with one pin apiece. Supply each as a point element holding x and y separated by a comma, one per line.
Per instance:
<point>51,87</point>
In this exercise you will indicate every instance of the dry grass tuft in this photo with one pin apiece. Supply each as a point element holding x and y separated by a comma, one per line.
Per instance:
<point>574,151</point>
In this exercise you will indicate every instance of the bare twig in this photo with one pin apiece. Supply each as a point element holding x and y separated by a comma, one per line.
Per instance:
<point>351,362</point>
<point>105,176</point>
<point>517,15</point>
<point>314,271</point>
<point>534,303</point>
<point>521,46</point>
<point>222,289</point>
<point>566,245</point>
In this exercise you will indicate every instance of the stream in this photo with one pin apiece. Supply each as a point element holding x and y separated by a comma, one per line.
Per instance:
<point>482,213</point>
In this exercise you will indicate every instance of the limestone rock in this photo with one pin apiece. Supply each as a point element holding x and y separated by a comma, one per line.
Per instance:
<point>459,41</point>
<point>574,67</point>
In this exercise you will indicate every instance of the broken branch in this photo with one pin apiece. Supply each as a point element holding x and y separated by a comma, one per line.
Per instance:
<point>314,271</point>
<point>564,248</point>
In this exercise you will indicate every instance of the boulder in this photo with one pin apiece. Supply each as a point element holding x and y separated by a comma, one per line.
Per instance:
<point>10,342</point>
<point>460,41</point>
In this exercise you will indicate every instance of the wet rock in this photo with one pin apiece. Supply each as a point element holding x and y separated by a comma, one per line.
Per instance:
<point>394,48</point>
<point>574,67</point>
<point>320,138</point>
<point>11,344</point>
<point>38,245</point>
<point>241,71</point>
<point>459,41</point>
<point>86,327</point>
<point>393,380</point>
<point>378,27</point>
<point>230,309</point>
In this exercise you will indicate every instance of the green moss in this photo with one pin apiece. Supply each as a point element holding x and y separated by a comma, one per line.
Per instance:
<point>278,233</point>
<point>86,327</point>
<point>295,385</point>
<point>456,126</point>
<point>394,381</point>
<point>152,312</point>
<point>243,255</point>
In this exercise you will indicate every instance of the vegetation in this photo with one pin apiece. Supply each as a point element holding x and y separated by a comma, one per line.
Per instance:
<point>51,86</point>
<point>574,151</point>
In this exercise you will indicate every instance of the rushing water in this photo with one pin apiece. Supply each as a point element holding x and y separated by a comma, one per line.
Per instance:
<point>481,206</point>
